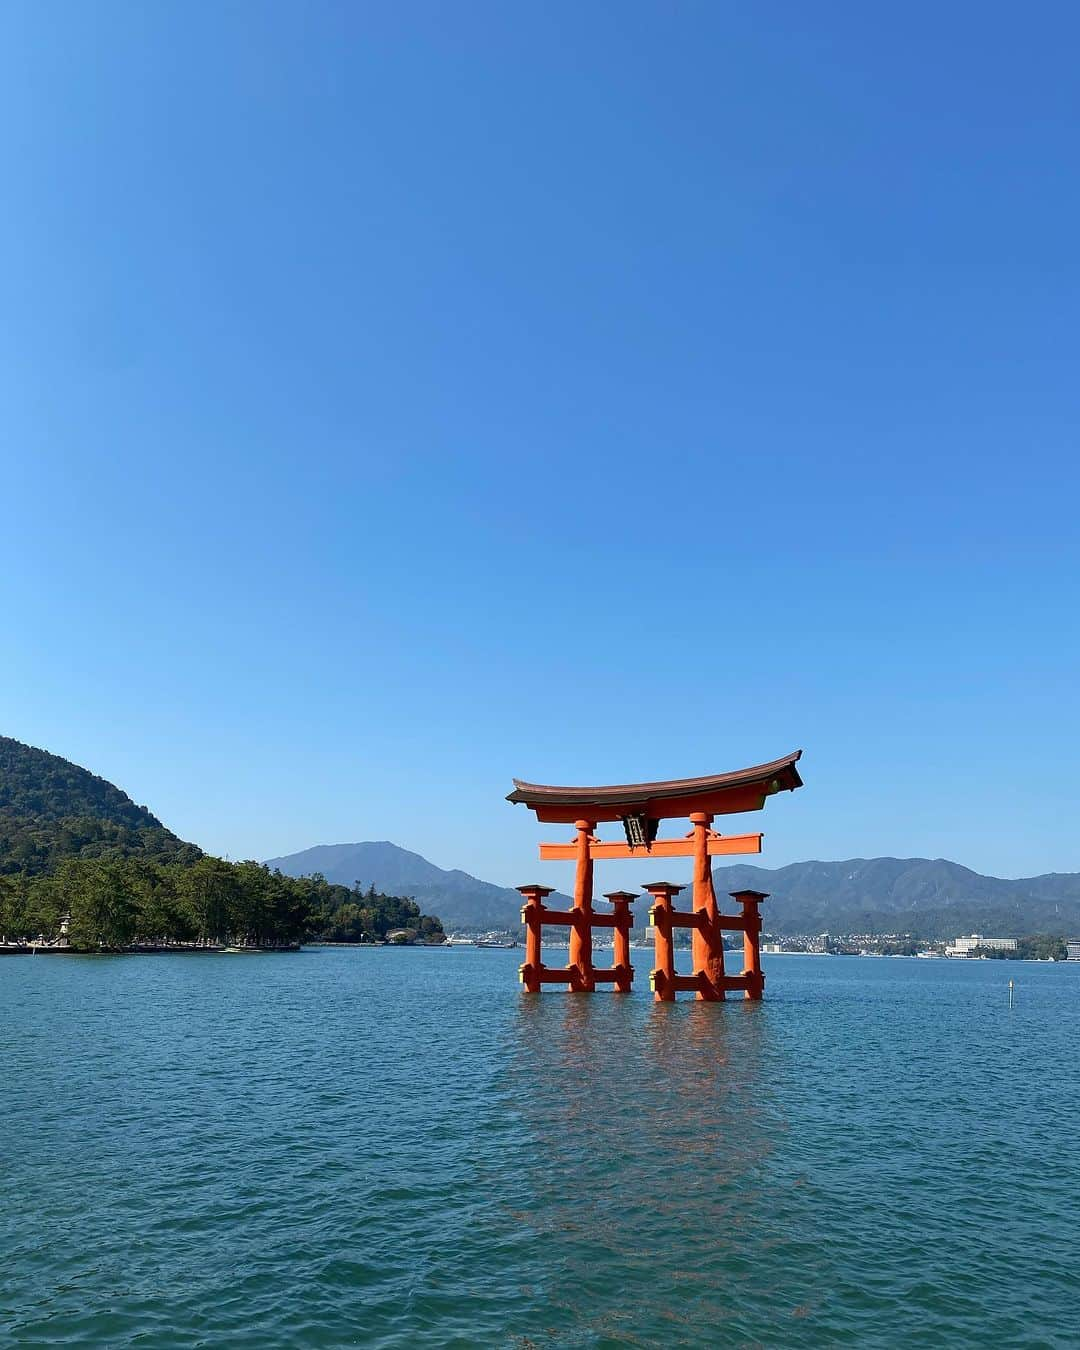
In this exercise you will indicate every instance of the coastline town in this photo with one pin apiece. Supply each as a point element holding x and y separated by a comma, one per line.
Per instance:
<point>972,946</point>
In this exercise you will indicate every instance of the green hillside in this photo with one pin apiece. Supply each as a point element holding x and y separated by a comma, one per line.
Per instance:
<point>51,810</point>
<point>78,856</point>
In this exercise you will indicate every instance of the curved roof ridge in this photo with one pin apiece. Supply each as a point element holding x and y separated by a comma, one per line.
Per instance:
<point>782,769</point>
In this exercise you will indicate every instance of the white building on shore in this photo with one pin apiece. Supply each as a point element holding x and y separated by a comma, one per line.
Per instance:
<point>1072,946</point>
<point>964,946</point>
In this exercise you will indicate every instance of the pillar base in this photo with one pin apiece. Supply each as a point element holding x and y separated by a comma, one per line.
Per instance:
<point>663,986</point>
<point>530,977</point>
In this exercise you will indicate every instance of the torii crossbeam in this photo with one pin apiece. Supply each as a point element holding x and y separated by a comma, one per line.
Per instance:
<point>641,807</point>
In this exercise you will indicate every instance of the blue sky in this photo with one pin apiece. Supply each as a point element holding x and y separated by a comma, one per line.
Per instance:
<point>400,397</point>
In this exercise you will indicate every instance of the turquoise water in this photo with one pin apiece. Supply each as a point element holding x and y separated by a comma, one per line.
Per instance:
<point>394,1147</point>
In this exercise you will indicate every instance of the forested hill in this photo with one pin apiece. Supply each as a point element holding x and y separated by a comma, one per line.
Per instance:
<point>51,809</point>
<point>79,858</point>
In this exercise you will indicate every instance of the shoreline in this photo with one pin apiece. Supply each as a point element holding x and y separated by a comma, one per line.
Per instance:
<point>44,949</point>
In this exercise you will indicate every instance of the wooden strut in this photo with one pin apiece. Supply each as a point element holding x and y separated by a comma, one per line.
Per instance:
<point>533,973</point>
<point>602,850</point>
<point>579,972</point>
<point>709,982</point>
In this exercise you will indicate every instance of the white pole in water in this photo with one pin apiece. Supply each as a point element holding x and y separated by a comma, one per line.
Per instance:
<point>1010,993</point>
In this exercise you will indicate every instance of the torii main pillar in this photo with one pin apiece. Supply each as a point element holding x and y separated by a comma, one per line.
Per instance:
<point>708,941</point>
<point>581,931</point>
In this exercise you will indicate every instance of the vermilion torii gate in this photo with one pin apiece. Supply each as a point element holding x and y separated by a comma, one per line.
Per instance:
<point>641,807</point>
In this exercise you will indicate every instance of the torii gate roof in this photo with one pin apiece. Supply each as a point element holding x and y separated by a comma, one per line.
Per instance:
<point>718,794</point>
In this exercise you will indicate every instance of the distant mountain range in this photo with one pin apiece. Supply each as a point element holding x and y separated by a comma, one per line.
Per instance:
<point>461,901</point>
<point>928,898</point>
<point>51,809</point>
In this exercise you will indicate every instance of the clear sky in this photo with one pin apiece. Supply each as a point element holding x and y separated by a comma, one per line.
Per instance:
<point>400,397</point>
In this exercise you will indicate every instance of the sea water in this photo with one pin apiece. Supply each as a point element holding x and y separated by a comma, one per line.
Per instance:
<point>395,1147</point>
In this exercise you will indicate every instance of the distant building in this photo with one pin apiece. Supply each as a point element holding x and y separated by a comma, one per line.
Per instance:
<point>1073,948</point>
<point>964,946</point>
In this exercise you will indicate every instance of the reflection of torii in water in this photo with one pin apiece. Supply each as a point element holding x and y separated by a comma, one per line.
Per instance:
<point>640,807</point>
<point>667,1116</point>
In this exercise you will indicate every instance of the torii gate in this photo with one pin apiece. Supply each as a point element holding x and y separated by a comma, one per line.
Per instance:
<point>641,807</point>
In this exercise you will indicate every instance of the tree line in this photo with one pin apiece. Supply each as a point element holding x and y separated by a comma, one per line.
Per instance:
<point>1037,947</point>
<point>51,809</point>
<point>114,903</point>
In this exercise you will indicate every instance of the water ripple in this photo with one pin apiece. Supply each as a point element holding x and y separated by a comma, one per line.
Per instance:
<point>394,1148</point>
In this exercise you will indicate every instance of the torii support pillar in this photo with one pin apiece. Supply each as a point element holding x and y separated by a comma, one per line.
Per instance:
<point>662,979</point>
<point>532,917</point>
<point>621,921</point>
<point>752,972</point>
